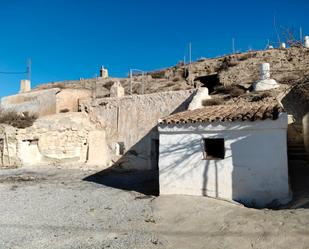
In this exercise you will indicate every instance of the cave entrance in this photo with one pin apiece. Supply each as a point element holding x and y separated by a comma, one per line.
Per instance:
<point>209,81</point>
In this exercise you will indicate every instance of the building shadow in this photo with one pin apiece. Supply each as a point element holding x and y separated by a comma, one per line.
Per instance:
<point>129,171</point>
<point>142,181</point>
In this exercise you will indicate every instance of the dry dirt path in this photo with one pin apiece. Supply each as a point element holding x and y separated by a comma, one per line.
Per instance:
<point>57,208</point>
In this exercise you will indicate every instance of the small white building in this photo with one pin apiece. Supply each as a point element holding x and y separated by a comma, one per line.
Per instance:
<point>229,152</point>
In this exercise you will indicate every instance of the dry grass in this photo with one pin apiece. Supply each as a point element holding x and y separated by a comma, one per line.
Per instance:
<point>158,74</point>
<point>17,120</point>
<point>226,63</point>
<point>211,102</point>
<point>51,85</point>
<point>233,91</point>
<point>243,57</point>
<point>260,96</point>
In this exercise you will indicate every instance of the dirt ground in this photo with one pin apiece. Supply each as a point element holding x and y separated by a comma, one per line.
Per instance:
<point>66,208</point>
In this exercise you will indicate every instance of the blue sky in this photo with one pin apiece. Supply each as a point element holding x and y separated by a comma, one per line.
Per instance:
<point>69,39</point>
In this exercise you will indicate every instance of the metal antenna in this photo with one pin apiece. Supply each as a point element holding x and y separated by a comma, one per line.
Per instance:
<point>29,62</point>
<point>275,27</point>
<point>301,35</point>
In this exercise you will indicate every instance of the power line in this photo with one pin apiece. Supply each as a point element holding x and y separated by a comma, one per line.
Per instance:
<point>28,70</point>
<point>2,72</point>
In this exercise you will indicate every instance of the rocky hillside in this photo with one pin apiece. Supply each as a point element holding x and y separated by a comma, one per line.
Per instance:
<point>287,66</point>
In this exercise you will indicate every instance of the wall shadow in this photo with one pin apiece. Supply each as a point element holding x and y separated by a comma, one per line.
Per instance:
<point>125,174</point>
<point>145,182</point>
<point>296,102</point>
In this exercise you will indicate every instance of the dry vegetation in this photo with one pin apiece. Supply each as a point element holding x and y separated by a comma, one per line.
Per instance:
<point>51,85</point>
<point>233,90</point>
<point>211,102</point>
<point>158,74</point>
<point>17,120</point>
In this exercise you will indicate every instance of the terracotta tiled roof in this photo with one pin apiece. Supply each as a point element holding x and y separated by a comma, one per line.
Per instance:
<point>226,113</point>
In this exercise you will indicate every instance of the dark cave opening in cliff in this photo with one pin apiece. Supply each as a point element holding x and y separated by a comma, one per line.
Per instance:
<point>209,81</point>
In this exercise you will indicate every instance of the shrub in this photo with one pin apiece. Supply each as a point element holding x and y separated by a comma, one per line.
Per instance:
<point>64,110</point>
<point>158,75</point>
<point>246,56</point>
<point>233,91</point>
<point>176,79</point>
<point>177,88</point>
<point>17,120</point>
<point>168,84</point>
<point>211,102</point>
<point>259,97</point>
<point>226,63</point>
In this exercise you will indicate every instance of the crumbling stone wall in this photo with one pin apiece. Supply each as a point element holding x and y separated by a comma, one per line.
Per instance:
<point>8,147</point>
<point>58,139</point>
<point>131,123</point>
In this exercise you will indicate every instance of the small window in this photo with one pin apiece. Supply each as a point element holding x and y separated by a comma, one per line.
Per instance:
<point>213,148</point>
<point>120,149</point>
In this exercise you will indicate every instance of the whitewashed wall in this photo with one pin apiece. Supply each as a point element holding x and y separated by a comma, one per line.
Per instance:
<point>254,171</point>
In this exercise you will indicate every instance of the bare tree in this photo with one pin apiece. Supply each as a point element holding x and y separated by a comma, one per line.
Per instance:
<point>290,38</point>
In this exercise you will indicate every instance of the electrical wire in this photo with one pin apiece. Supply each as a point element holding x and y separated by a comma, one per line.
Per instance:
<point>1,72</point>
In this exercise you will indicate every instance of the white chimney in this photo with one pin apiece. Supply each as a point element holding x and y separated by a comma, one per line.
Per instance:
<point>25,86</point>
<point>264,71</point>
<point>103,73</point>
<point>306,41</point>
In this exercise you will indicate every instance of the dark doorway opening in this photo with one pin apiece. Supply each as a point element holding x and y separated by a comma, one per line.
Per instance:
<point>209,81</point>
<point>155,154</point>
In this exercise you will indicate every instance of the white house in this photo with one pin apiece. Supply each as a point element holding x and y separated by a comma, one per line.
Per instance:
<point>230,152</point>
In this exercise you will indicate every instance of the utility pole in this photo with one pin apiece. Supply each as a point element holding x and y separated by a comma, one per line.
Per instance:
<point>301,35</point>
<point>190,53</point>
<point>233,45</point>
<point>275,27</point>
<point>29,69</point>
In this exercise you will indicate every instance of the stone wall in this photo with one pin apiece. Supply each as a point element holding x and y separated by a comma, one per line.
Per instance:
<point>67,100</point>
<point>131,124</point>
<point>46,102</point>
<point>38,102</point>
<point>60,139</point>
<point>305,124</point>
<point>8,147</point>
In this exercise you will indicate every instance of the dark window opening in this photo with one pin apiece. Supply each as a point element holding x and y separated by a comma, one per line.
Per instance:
<point>213,148</point>
<point>209,81</point>
<point>34,141</point>
<point>121,148</point>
